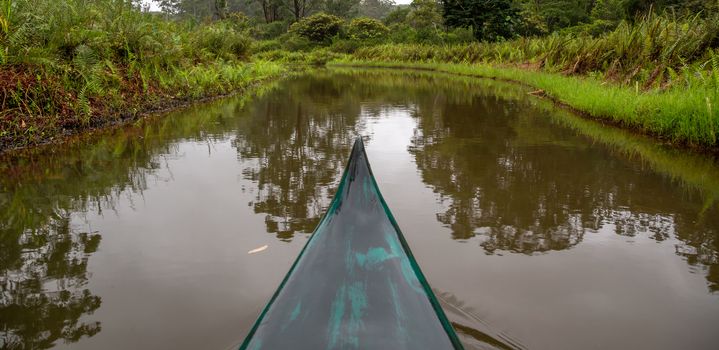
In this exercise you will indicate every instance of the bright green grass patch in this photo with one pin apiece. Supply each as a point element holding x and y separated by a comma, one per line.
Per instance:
<point>682,115</point>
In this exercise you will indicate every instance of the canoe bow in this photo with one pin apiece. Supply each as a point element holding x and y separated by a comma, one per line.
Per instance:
<point>355,284</point>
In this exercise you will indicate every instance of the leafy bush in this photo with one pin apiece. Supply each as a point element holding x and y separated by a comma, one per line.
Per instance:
<point>283,56</point>
<point>345,45</point>
<point>222,41</point>
<point>458,36</point>
<point>294,42</point>
<point>321,56</point>
<point>397,16</point>
<point>428,35</point>
<point>266,45</point>
<point>366,28</point>
<point>594,29</point>
<point>402,33</point>
<point>239,21</point>
<point>318,27</point>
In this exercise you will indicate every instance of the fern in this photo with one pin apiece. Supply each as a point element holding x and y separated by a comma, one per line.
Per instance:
<point>715,71</point>
<point>84,105</point>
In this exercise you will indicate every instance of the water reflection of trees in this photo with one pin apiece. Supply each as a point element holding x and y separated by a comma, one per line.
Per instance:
<point>518,183</point>
<point>295,140</point>
<point>492,189</point>
<point>505,177</point>
<point>505,173</point>
<point>43,257</point>
<point>43,287</point>
<point>295,145</point>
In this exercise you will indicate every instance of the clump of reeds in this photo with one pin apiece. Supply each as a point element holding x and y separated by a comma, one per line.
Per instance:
<point>654,51</point>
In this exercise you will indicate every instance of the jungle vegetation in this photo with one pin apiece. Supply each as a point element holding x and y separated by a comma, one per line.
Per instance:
<point>72,65</point>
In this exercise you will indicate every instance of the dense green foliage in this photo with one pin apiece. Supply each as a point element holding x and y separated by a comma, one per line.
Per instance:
<point>663,70</point>
<point>75,64</point>
<point>318,27</point>
<point>366,28</point>
<point>655,52</point>
<point>490,20</point>
<point>684,116</point>
<point>269,11</point>
<point>536,16</point>
<point>540,17</point>
<point>425,18</point>
<point>342,8</point>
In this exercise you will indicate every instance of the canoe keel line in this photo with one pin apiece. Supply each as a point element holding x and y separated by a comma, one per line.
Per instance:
<point>355,285</point>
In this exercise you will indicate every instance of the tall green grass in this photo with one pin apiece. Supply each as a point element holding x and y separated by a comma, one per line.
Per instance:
<point>659,74</point>
<point>74,64</point>
<point>684,116</point>
<point>656,51</point>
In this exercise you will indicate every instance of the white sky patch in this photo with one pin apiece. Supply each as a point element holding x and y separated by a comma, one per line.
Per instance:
<point>153,5</point>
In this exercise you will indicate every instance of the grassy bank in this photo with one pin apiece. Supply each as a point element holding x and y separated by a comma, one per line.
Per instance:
<point>28,125</point>
<point>689,115</point>
<point>72,65</point>
<point>695,172</point>
<point>658,74</point>
<point>68,66</point>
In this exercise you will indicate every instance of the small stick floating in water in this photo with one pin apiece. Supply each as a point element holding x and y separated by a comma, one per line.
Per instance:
<point>257,250</point>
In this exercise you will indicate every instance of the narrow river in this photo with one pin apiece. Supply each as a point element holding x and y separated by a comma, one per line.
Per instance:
<point>537,229</point>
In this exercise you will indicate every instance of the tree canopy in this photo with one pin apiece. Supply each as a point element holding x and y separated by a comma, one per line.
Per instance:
<point>489,19</point>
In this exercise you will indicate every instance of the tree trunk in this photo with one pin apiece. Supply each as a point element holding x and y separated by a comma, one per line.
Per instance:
<point>221,9</point>
<point>298,14</point>
<point>266,10</point>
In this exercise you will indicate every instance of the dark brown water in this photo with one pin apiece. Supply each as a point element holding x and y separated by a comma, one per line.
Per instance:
<point>537,229</point>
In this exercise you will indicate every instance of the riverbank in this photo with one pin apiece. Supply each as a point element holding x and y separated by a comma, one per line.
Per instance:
<point>179,89</point>
<point>88,65</point>
<point>71,66</point>
<point>657,75</point>
<point>683,117</point>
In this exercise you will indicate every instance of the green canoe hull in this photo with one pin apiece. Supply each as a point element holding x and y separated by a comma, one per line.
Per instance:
<point>355,285</point>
